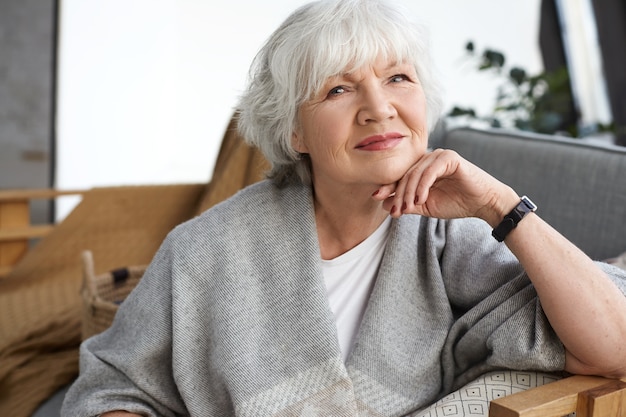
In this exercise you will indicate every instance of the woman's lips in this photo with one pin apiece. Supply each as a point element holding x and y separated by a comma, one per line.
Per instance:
<point>380,142</point>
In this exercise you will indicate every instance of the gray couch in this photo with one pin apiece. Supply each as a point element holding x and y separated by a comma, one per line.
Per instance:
<point>579,186</point>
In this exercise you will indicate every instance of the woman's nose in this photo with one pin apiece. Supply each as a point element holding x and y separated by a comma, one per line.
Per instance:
<point>375,106</point>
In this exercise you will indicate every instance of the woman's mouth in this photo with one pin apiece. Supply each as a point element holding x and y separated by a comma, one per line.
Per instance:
<point>380,142</point>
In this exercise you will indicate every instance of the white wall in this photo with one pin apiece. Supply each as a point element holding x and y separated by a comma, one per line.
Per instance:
<point>146,87</point>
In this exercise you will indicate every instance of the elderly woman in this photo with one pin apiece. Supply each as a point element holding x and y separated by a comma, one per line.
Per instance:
<point>361,278</point>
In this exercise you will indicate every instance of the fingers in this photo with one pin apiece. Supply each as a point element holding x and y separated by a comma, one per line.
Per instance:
<point>386,194</point>
<point>411,193</point>
<point>417,184</point>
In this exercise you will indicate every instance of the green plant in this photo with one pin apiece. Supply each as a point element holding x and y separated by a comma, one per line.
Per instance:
<point>540,103</point>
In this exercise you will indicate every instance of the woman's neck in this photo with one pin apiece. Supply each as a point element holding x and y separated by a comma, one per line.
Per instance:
<point>345,219</point>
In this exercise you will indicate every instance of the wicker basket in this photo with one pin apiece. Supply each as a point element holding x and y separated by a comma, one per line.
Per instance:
<point>102,294</point>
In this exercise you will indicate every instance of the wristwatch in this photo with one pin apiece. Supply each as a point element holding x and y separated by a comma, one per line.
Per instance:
<point>511,220</point>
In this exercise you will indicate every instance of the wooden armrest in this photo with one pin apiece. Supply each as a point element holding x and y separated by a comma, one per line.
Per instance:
<point>34,194</point>
<point>588,396</point>
<point>16,230</point>
<point>32,232</point>
<point>15,212</point>
<point>606,400</point>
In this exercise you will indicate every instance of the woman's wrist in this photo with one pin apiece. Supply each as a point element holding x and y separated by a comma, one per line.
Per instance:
<point>500,206</point>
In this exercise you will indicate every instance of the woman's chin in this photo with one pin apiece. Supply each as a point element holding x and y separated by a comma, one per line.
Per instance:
<point>391,176</point>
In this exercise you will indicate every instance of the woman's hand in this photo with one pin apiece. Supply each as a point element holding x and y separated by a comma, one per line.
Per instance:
<point>442,184</point>
<point>581,303</point>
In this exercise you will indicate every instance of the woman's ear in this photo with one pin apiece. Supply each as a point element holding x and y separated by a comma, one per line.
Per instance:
<point>297,143</point>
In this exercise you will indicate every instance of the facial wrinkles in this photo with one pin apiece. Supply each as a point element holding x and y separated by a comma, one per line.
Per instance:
<point>370,81</point>
<point>333,155</point>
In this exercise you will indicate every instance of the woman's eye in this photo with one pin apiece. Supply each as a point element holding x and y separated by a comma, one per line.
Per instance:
<point>399,78</point>
<point>336,91</point>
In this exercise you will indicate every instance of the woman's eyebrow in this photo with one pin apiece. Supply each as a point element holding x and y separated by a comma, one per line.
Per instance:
<point>350,75</point>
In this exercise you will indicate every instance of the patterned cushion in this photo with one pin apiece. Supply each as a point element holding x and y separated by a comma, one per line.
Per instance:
<point>473,399</point>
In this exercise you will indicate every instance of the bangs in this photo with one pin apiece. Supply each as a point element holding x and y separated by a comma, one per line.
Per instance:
<point>350,54</point>
<point>344,39</point>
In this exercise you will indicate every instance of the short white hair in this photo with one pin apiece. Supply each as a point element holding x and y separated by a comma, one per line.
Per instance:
<point>320,40</point>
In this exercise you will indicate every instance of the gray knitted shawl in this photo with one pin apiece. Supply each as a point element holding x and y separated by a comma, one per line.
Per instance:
<point>232,318</point>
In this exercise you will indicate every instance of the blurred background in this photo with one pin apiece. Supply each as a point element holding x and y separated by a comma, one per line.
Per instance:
<point>122,92</point>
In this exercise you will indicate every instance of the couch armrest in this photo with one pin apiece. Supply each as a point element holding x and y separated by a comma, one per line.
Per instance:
<point>578,185</point>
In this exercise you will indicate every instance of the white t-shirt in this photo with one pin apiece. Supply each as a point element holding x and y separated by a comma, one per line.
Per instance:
<point>349,280</point>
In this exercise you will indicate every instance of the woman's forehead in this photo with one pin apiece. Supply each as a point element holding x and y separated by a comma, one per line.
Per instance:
<point>378,66</point>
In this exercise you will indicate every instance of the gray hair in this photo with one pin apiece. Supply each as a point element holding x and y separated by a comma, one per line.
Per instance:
<point>317,41</point>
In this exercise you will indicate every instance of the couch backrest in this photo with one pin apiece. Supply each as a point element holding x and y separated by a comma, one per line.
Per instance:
<point>579,186</point>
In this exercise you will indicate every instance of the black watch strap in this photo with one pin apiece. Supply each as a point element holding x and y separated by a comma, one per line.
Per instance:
<point>511,220</point>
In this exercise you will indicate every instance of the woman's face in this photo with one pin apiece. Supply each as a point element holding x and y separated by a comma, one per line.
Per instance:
<point>364,128</point>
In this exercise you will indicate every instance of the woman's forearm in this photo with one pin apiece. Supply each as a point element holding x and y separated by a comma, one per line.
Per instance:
<point>585,308</point>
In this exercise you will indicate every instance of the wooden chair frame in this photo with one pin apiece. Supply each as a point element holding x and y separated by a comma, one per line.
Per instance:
<point>16,230</point>
<point>588,396</point>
